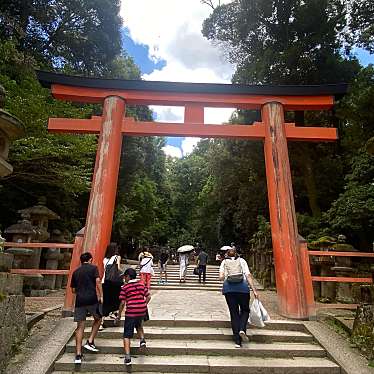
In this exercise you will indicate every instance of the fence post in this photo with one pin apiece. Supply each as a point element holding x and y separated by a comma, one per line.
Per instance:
<point>67,310</point>
<point>308,283</point>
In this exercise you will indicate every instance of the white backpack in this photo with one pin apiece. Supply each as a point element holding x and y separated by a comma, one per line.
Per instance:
<point>234,270</point>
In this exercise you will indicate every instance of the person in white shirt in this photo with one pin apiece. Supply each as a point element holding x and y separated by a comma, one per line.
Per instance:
<point>146,269</point>
<point>183,264</point>
<point>237,293</point>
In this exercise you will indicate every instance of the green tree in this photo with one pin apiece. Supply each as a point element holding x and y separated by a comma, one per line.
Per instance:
<point>77,35</point>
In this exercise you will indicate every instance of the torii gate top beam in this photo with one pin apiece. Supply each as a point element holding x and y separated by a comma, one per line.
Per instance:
<point>137,92</point>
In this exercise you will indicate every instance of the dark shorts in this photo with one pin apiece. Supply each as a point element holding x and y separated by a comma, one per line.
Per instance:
<point>130,324</point>
<point>81,312</point>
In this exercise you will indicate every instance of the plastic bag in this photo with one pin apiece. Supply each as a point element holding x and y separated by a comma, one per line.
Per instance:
<point>258,314</point>
<point>264,313</point>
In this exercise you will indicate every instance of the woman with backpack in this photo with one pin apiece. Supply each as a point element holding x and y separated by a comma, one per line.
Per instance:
<point>237,279</point>
<point>146,269</point>
<point>111,281</point>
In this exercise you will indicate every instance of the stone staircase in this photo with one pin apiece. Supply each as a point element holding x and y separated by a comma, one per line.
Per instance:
<point>191,344</point>
<point>192,281</point>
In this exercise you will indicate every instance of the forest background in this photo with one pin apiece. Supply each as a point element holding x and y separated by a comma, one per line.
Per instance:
<point>217,194</point>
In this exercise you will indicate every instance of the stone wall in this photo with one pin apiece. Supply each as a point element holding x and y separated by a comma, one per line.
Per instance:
<point>363,326</point>
<point>13,327</point>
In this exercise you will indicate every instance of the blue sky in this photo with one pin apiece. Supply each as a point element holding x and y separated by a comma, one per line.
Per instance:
<point>165,40</point>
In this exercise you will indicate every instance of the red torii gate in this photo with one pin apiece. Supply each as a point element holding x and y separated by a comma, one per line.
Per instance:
<point>294,284</point>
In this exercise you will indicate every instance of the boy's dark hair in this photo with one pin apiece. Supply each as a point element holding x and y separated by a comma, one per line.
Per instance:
<point>130,272</point>
<point>85,257</point>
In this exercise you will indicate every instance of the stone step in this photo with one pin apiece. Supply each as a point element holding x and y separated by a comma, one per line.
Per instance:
<point>210,333</point>
<point>162,347</point>
<point>185,286</point>
<point>199,364</point>
<point>286,325</point>
<point>189,282</point>
<point>189,277</point>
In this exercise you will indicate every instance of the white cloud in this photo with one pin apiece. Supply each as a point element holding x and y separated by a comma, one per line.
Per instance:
<point>188,144</point>
<point>172,31</point>
<point>168,113</point>
<point>172,151</point>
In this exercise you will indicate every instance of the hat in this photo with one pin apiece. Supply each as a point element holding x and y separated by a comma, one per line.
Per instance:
<point>130,271</point>
<point>147,254</point>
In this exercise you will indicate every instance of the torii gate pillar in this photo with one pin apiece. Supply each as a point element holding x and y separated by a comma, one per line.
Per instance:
<point>104,184</point>
<point>286,246</point>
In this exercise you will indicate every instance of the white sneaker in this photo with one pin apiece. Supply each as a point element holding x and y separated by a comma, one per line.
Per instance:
<point>78,359</point>
<point>90,346</point>
<point>244,336</point>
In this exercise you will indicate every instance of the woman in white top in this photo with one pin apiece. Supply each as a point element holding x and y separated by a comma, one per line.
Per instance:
<point>237,279</point>
<point>111,290</point>
<point>183,264</point>
<point>146,269</point>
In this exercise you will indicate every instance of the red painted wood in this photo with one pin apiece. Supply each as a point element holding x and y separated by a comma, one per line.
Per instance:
<point>100,212</point>
<point>138,128</point>
<point>97,95</point>
<point>309,292</point>
<point>291,291</point>
<point>341,254</point>
<point>342,279</point>
<point>38,245</point>
<point>194,113</point>
<point>39,271</point>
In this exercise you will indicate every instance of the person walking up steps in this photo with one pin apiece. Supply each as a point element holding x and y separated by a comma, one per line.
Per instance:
<point>163,261</point>
<point>235,273</point>
<point>146,269</point>
<point>135,296</point>
<point>202,260</point>
<point>85,282</point>
<point>111,287</point>
<point>183,264</point>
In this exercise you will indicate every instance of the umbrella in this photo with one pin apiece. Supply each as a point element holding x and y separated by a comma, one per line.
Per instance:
<point>225,248</point>
<point>185,248</point>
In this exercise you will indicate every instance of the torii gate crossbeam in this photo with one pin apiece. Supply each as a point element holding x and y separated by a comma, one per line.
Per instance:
<point>293,288</point>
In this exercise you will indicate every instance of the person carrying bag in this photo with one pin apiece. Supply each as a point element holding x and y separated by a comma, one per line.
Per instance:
<point>111,282</point>
<point>146,269</point>
<point>237,279</point>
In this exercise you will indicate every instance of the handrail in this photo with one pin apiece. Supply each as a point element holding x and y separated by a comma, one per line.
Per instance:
<point>340,254</point>
<point>342,279</point>
<point>39,271</point>
<point>38,245</point>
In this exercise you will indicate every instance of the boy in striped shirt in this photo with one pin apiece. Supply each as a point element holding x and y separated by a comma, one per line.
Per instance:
<point>136,297</point>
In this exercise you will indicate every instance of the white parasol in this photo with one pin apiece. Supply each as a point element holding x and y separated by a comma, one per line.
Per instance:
<point>185,248</point>
<point>225,248</point>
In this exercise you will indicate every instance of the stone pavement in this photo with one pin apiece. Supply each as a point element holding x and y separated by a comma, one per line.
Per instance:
<point>189,327</point>
<point>189,331</point>
<point>188,304</point>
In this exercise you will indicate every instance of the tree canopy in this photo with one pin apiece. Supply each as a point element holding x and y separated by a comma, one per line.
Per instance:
<point>218,193</point>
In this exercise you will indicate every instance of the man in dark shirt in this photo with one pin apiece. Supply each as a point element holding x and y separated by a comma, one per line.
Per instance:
<point>164,258</point>
<point>85,282</point>
<point>202,260</point>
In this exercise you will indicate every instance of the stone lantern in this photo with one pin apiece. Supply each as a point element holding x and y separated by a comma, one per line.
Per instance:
<point>321,265</point>
<point>343,268</point>
<point>10,128</point>
<point>21,232</point>
<point>24,258</point>
<point>53,257</point>
<point>40,215</point>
